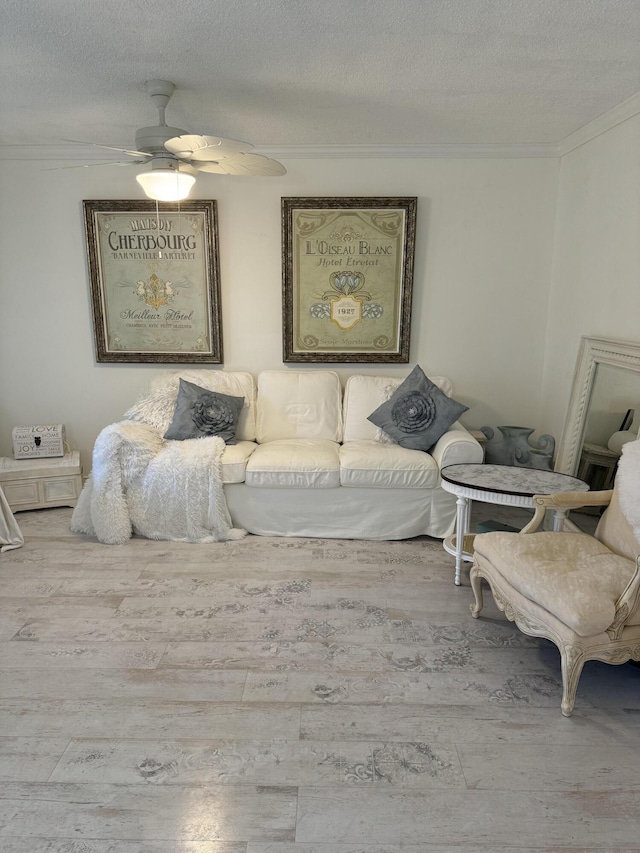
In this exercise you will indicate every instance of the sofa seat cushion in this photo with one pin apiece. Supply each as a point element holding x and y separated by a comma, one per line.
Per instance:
<point>571,575</point>
<point>295,463</point>
<point>234,461</point>
<point>369,464</point>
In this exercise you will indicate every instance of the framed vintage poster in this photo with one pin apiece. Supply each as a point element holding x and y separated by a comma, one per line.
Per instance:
<point>155,283</point>
<point>347,267</point>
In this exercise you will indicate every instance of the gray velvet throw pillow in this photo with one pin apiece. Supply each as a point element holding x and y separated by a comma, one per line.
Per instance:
<point>418,413</point>
<point>200,412</point>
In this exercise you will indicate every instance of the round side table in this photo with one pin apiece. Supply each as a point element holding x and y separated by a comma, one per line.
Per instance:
<point>508,485</point>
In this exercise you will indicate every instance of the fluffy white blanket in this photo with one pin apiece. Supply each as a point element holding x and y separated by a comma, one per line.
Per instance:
<point>158,489</point>
<point>628,484</point>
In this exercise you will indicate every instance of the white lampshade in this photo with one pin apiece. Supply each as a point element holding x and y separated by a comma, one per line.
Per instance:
<point>619,439</point>
<point>166,184</point>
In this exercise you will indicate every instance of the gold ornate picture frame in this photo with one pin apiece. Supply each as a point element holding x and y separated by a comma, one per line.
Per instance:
<point>155,281</point>
<point>347,278</point>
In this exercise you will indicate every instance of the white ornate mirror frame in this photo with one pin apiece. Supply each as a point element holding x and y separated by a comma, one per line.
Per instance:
<point>592,352</point>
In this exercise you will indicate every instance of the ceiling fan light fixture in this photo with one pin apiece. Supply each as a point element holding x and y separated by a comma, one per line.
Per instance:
<point>166,182</point>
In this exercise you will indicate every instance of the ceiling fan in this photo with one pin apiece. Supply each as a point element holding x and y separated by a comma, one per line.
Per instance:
<point>175,156</point>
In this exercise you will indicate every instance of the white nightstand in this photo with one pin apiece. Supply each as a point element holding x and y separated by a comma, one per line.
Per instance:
<point>41,483</point>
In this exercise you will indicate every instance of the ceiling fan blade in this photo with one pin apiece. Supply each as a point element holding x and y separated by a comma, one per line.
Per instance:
<point>129,151</point>
<point>91,165</point>
<point>193,147</point>
<point>243,164</point>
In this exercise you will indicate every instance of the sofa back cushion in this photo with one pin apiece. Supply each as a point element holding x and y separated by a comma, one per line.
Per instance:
<point>157,408</point>
<point>363,395</point>
<point>298,404</point>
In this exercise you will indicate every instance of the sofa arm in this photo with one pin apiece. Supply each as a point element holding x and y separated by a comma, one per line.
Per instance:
<point>456,445</point>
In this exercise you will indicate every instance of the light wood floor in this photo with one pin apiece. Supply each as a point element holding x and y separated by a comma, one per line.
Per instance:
<point>292,696</point>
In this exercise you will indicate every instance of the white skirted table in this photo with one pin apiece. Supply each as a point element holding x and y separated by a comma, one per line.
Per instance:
<point>10,534</point>
<point>508,485</point>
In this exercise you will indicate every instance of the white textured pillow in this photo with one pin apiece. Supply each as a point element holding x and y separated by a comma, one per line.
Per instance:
<point>158,407</point>
<point>381,436</point>
<point>627,493</point>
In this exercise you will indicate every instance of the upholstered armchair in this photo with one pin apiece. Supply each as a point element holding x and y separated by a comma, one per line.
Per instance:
<point>579,591</point>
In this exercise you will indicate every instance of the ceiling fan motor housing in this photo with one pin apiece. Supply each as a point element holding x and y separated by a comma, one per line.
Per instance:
<point>151,140</point>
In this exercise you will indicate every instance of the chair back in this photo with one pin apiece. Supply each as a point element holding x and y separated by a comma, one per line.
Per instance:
<point>615,530</point>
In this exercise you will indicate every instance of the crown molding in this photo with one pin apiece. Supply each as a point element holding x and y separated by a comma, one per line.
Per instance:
<point>607,121</point>
<point>400,152</point>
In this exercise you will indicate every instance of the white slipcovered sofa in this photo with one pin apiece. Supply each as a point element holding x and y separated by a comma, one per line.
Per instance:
<point>307,462</point>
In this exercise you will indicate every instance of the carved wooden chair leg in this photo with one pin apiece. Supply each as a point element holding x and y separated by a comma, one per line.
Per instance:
<point>476,586</point>
<point>572,660</point>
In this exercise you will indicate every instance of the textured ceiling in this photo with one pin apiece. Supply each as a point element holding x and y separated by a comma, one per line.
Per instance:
<point>296,72</point>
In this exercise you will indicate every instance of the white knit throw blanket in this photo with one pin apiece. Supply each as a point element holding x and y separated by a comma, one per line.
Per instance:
<point>628,484</point>
<point>158,489</point>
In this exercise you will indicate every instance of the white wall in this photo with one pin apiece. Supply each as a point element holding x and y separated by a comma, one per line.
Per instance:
<point>596,272</point>
<point>482,273</point>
